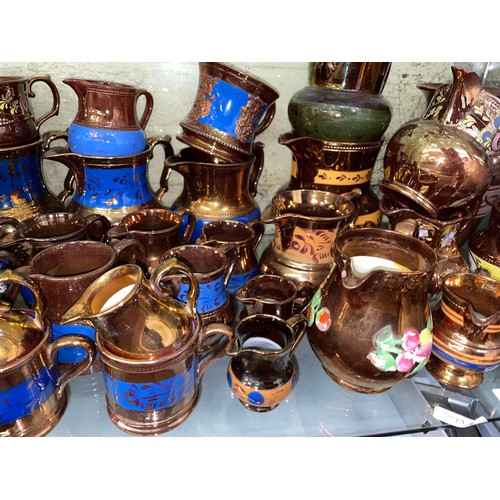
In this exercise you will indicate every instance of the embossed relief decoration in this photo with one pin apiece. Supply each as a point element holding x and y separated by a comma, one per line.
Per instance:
<point>308,246</point>
<point>245,124</point>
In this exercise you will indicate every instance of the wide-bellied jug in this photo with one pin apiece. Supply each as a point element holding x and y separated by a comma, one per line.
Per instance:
<point>110,186</point>
<point>370,323</point>
<point>213,190</point>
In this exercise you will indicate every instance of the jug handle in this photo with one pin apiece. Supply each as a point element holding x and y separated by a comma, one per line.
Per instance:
<point>230,250</point>
<point>55,96</point>
<point>6,223</point>
<point>99,225</point>
<point>174,265</point>
<point>298,323</point>
<point>214,350</point>
<point>17,278</point>
<point>256,168</point>
<point>148,109</point>
<point>185,237</point>
<point>130,250</point>
<point>305,292</point>
<point>53,135</point>
<point>68,187</point>
<point>258,226</point>
<point>72,372</point>
<point>165,174</point>
<point>267,119</point>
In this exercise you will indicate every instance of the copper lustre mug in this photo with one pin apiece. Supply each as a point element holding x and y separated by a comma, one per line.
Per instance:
<point>231,107</point>
<point>33,394</point>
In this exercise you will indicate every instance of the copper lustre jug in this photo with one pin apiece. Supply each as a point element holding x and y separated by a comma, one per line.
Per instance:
<point>466,331</point>
<point>338,167</point>
<point>307,222</point>
<point>435,164</point>
<point>18,125</point>
<point>484,245</point>
<point>231,108</point>
<point>152,347</point>
<point>213,190</point>
<point>33,394</point>
<point>106,123</point>
<point>370,323</point>
<point>111,186</point>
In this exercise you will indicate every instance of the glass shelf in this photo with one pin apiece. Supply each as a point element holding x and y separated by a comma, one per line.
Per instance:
<point>318,406</point>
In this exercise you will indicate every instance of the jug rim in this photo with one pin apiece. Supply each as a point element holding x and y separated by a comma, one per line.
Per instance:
<point>245,79</point>
<point>270,317</point>
<point>383,234</point>
<point>107,85</point>
<point>68,244</point>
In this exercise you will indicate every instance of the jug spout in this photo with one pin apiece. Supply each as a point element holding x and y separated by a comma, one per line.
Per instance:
<point>74,161</point>
<point>77,85</point>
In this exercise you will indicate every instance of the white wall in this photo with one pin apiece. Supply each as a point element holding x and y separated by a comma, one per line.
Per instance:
<point>174,86</point>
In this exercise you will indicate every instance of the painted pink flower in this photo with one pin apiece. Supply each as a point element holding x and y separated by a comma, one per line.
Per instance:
<point>423,352</point>
<point>411,339</point>
<point>404,362</point>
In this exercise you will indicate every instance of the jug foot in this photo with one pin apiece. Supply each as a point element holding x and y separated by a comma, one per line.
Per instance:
<point>453,376</point>
<point>41,421</point>
<point>147,426</point>
<point>258,409</point>
<point>353,387</point>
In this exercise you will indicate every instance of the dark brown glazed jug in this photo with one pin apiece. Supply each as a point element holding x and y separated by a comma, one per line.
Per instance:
<point>370,323</point>
<point>106,123</point>
<point>18,125</point>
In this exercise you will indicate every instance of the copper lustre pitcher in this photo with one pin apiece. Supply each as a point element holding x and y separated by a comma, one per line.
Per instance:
<point>106,123</point>
<point>440,163</point>
<point>213,190</point>
<point>307,222</point>
<point>370,323</point>
<point>112,186</point>
<point>466,331</point>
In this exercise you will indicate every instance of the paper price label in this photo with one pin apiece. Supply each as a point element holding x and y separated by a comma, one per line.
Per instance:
<point>455,419</point>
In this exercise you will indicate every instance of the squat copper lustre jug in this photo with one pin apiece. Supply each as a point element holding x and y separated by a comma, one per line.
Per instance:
<point>110,186</point>
<point>370,323</point>
<point>466,331</point>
